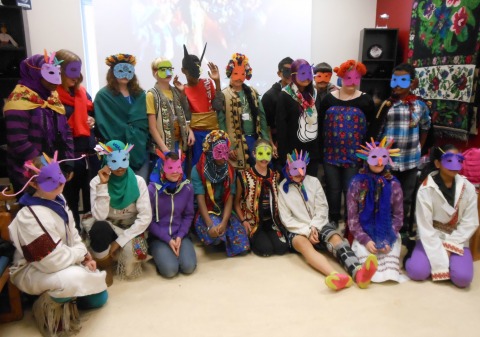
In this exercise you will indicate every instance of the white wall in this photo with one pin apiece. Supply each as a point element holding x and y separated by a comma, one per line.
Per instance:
<point>336,26</point>
<point>55,25</point>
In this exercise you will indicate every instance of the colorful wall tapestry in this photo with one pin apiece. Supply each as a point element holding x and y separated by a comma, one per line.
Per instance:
<point>444,47</point>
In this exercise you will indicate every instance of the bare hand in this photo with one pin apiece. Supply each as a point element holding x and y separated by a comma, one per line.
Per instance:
<point>70,176</point>
<point>221,228</point>
<point>313,237</point>
<point>232,155</point>
<point>191,138</point>
<point>385,249</point>
<point>213,73</point>
<point>178,84</point>
<point>173,246</point>
<point>247,226</point>
<point>89,262</point>
<point>371,247</point>
<point>91,122</point>
<point>104,174</point>
<point>178,243</point>
<point>274,151</point>
<point>114,246</point>
<point>91,265</point>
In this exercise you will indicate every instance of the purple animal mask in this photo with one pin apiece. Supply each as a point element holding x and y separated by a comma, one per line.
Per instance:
<point>51,69</point>
<point>73,69</point>
<point>304,73</point>
<point>297,163</point>
<point>49,176</point>
<point>452,161</point>
<point>378,155</point>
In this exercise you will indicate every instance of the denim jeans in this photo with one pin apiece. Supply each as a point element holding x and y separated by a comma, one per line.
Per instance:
<point>337,180</point>
<point>168,264</point>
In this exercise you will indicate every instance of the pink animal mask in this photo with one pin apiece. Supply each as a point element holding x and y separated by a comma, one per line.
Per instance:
<point>297,163</point>
<point>171,166</point>
<point>221,151</point>
<point>50,70</point>
<point>351,77</point>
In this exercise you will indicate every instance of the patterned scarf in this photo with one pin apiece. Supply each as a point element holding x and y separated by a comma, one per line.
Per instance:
<point>307,105</point>
<point>215,173</point>
<point>23,98</point>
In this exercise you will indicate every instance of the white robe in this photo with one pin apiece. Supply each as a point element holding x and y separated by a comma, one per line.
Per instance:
<point>432,206</point>
<point>60,272</point>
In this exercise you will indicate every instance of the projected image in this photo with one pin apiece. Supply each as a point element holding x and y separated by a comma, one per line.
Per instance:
<point>154,28</point>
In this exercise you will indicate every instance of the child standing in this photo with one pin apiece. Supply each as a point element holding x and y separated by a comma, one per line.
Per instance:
<point>447,217</point>
<point>304,211</point>
<point>50,258</point>
<point>256,203</point>
<point>171,197</point>
<point>375,211</point>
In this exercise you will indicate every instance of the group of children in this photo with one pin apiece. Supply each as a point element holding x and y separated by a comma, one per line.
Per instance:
<point>235,197</point>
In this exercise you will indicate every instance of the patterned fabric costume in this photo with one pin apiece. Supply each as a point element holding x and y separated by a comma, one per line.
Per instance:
<point>217,183</point>
<point>443,229</point>
<point>171,116</point>
<point>253,185</point>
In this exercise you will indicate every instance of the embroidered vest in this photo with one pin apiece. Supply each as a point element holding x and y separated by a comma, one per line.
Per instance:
<point>251,201</point>
<point>166,113</point>
<point>233,115</point>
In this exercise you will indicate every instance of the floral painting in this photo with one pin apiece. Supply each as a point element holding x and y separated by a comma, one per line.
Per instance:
<point>444,46</point>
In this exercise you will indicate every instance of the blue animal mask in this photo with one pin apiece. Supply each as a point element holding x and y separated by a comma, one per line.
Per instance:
<point>124,70</point>
<point>402,81</point>
<point>116,154</point>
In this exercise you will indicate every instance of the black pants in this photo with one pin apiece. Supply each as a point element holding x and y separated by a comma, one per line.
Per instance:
<point>266,241</point>
<point>101,236</point>
<point>84,170</point>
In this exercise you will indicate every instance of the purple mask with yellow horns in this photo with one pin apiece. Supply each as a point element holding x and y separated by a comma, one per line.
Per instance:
<point>297,163</point>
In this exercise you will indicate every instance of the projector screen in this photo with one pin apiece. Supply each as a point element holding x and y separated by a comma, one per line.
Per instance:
<point>266,31</point>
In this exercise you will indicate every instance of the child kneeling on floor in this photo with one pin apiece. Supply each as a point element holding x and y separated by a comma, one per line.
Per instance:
<point>171,196</point>
<point>447,217</point>
<point>213,180</point>
<point>50,258</point>
<point>304,212</point>
<point>375,211</point>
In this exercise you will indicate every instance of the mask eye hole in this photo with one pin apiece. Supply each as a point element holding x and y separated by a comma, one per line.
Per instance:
<point>374,156</point>
<point>114,161</point>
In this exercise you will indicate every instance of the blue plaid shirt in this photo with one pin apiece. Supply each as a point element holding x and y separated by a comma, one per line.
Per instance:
<point>406,133</point>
